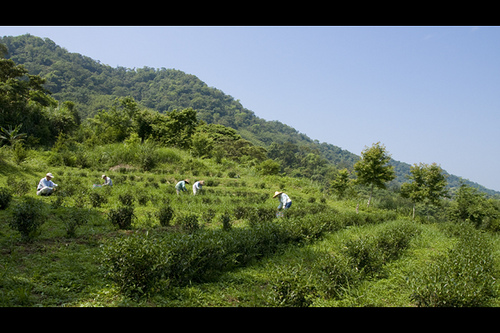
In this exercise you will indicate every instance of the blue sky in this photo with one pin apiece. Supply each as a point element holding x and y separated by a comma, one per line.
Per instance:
<point>429,94</point>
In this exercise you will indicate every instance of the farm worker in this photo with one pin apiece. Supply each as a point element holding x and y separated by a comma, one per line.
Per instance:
<point>107,180</point>
<point>197,186</point>
<point>46,186</point>
<point>284,199</point>
<point>181,186</point>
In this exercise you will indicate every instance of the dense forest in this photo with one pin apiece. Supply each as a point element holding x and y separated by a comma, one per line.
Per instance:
<point>86,87</point>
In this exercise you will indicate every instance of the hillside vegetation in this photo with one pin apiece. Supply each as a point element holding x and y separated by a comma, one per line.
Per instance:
<point>92,86</point>
<point>350,238</point>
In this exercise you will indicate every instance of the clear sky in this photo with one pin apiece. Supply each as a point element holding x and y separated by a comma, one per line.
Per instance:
<point>429,94</point>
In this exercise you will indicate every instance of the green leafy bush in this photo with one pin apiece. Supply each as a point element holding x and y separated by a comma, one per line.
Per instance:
<point>188,222</point>
<point>133,263</point>
<point>75,219</point>
<point>97,199</point>
<point>165,215</point>
<point>122,217</point>
<point>290,289</point>
<point>370,253</point>
<point>395,238</point>
<point>365,255</point>
<point>336,274</point>
<point>27,218</point>
<point>463,277</point>
<point>126,199</point>
<point>20,186</point>
<point>5,197</point>
<point>225,219</point>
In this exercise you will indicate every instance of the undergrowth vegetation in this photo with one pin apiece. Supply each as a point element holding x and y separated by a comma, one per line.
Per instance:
<point>138,243</point>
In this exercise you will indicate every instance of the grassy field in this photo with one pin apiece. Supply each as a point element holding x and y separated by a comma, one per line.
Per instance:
<point>225,247</point>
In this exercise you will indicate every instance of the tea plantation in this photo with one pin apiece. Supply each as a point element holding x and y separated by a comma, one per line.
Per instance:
<point>140,244</point>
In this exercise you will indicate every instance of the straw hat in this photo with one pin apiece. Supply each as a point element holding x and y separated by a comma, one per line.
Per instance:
<point>276,194</point>
<point>186,180</point>
<point>49,175</point>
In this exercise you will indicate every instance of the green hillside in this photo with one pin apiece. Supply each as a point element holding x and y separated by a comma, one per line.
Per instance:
<point>93,86</point>
<point>139,243</point>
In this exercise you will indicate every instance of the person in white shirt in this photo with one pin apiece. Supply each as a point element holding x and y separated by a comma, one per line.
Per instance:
<point>46,186</point>
<point>285,201</point>
<point>197,186</point>
<point>107,181</point>
<point>181,186</point>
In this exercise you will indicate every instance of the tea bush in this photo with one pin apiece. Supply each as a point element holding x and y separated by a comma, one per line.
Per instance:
<point>121,217</point>
<point>75,219</point>
<point>126,199</point>
<point>5,197</point>
<point>225,219</point>
<point>202,255</point>
<point>290,289</point>
<point>463,277</point>
<point>188,222</point>
<point>165,214</point>
<point>133,263</point>
<point>370,253</point>
<point>395,238</point>
<point>97,199</point>
<point>27,218</point>
<point>20,186</point>
<point>365,255</point>
<point>336,274</point>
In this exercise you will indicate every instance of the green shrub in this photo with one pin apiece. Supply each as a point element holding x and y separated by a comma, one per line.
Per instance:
<point>97,199</point>
<point>188,222</point>
<point>27,218</point>
<point>165,215</point>
<point>122,217</point>
<point>20,153</point>
<point>75,219</point>
<point>463,277</point>
<point>395,238</point>
<point>20,186</point>
<point>126,199</point>
<point>365,255</point>
<point>370,253</point>
<point>142,198</point>
<point>225,219</point>
<point>290,289</point>
<point>5,197</point>
<point>133,263</point>
<point>208,215</point>
<point>336,274</point>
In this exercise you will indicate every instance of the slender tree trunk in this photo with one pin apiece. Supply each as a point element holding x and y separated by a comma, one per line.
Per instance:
<point>413,210</point>
<point>371,194</point>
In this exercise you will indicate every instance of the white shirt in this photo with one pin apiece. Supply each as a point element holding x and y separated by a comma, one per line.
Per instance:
<point>284,199</point>
<point>45,183</point>
<point>108,181</point>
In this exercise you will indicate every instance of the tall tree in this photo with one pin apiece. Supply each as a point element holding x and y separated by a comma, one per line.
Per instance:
<point>428,185</point>
<point>341,184</point>
<point>373,169</point>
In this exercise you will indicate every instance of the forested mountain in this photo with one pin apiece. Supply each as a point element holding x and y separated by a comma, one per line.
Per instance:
<point>93,86</point>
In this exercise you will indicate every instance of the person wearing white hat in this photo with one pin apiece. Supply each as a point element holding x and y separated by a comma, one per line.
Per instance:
<point>181,186</point>
<point>107,181</point>
<point>284,199</point>
<point>46,186</point>
<point>197,186</point>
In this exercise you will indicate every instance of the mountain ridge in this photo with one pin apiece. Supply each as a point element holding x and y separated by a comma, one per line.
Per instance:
<point>93,86</point>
